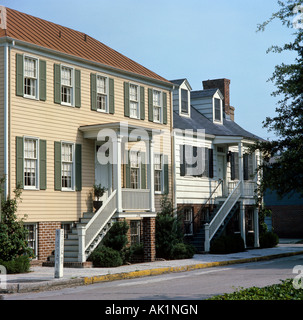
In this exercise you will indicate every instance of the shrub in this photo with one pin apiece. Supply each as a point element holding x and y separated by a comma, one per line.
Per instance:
<point>106,257</point>
<point>227,244</point>
<point>182,251</point>
<point>13,234</point>
<point>168,230</point>
<point>116,237</point>
<point>18,265</point>
<point>269,240</point>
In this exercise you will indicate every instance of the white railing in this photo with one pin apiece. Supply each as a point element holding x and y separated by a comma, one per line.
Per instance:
<point>213,226</point>
<point>87,234</point>
<point>135,199</point>
<point>248,188</point>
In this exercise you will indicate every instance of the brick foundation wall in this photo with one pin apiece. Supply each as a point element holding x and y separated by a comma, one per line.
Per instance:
<point>46,238</point>
<point>287,221</point>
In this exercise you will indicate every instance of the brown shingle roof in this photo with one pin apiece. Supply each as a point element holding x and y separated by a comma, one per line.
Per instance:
<point>21,26</point>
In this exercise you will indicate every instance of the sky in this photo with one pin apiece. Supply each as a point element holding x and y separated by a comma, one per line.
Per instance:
<point>194,39</point>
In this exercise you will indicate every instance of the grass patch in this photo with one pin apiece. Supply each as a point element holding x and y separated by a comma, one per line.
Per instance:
<point>282,291</point>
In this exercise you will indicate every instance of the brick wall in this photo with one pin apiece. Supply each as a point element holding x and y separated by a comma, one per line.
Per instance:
<point>287,221</point>
<point>47,238</point>
<point>149,239</point>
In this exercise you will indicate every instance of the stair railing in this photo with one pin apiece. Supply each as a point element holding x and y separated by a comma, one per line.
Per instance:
<point>87,234</point>
<point>213,226</point>
<point>190,226</point>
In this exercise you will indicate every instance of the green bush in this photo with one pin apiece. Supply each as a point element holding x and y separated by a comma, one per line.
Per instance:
<point>227,244</point>
<point>116,237</point>
<point>283,291</point>
<point>106,257</point>
<point>182,251</point>
<point>269,240</point>
<point>18,265</point>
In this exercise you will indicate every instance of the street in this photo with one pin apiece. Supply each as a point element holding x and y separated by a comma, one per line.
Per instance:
<point>194,285</point>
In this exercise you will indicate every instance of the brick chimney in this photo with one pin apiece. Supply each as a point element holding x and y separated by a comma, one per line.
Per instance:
<point>223,85</point>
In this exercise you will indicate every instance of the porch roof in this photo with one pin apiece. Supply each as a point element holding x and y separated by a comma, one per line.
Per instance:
<point>122,129</point>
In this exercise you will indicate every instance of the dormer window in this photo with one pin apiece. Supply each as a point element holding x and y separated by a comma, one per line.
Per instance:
<point>184,101</point>
<point>218,110</point>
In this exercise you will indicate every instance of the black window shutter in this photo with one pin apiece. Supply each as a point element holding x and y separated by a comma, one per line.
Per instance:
<point>210,163</point>
<point>182,160</point>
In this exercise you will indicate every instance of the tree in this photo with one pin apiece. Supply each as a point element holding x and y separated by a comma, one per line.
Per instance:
<point>285,173</point>
<point>13,234</point>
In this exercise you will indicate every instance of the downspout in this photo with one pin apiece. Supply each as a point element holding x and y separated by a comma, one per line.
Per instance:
<point>6,112</point>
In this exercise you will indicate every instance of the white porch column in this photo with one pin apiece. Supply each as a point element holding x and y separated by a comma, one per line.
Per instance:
<point>242,222</point>
<point>256,228</point>
<point>81,235</point>
<point>241,177</point>
<point>206,242</point>
<point>117,174</point>
<point>150,176</point>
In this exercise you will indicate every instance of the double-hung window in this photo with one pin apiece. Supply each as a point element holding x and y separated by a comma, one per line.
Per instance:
<point>102,94</point>
<point>30,163</point>
<point>217,109</point>
<point>30,77</point>
<point>135,227</point>
<point>157,106</point>
<point>67,166</point>
<point>67,85</point>
<point>134,101</point>
<point>158,178</point>
<point>135,170</point>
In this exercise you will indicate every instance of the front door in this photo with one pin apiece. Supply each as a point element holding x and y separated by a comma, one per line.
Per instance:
<point>103,176</point>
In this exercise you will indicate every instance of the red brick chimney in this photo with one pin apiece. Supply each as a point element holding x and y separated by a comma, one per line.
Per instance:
<point>223,85</point>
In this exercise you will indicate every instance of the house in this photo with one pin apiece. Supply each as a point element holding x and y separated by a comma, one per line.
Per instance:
<point>214,172</point>
<point>75,112</point>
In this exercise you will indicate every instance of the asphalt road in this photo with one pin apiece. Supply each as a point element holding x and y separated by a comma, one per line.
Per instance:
<point>193,285</point>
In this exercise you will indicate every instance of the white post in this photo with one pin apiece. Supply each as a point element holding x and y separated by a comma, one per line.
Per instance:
<point>117,162</point>
<point>81,236</point>
<point>241,177</point>
<point>206,242</point>
<point>59,253</point>
<point>151,176</point>
<point>256,227</point>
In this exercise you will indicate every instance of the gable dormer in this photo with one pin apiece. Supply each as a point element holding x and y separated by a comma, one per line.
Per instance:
<point>181,97</point>
<point>209,103</point>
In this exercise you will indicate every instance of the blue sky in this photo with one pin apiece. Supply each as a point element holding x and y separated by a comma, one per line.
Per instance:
<point>193,39</point>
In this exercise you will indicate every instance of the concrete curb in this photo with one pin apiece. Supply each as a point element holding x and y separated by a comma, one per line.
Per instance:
<point>60,284</point>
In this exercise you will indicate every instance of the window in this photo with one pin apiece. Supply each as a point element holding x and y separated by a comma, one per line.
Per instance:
<point>66,85</point>
<point>135,170</point>
<point>188,221</point>
<point>30,163</point>
<point>67,166</point>
<point>158,173</point>
<point>30,77</point>
<point>217,109</point>
<point>135,228</point>
<point>102,91</point>
<point>67,227</point>
<point>134,101</point>
<point>157,106</point>
<point>32,237</point>
<point>184,101</point>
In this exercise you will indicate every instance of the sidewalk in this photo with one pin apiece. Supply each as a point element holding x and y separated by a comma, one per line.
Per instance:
<point>42,278</point>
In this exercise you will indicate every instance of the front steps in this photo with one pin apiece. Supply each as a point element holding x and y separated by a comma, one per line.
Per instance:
<point>71,245</point>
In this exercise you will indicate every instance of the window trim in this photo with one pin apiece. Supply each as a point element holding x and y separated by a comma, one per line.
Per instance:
<point>100,75</point>
<point>72,96</point>
<point>138,101</point>
<point>161,172</point>
<point>138,169</point>
<point>160,107</point>
<point>188,104</point>
<point>220,121</point>
<point>73,177</point>
<point>28,96</point>
<point>37,186</point>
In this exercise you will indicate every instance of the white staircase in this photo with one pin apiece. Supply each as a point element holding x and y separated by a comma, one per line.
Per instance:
<point>89,232</point>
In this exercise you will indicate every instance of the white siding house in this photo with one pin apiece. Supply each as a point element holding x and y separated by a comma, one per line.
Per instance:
<point>221,186</point>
